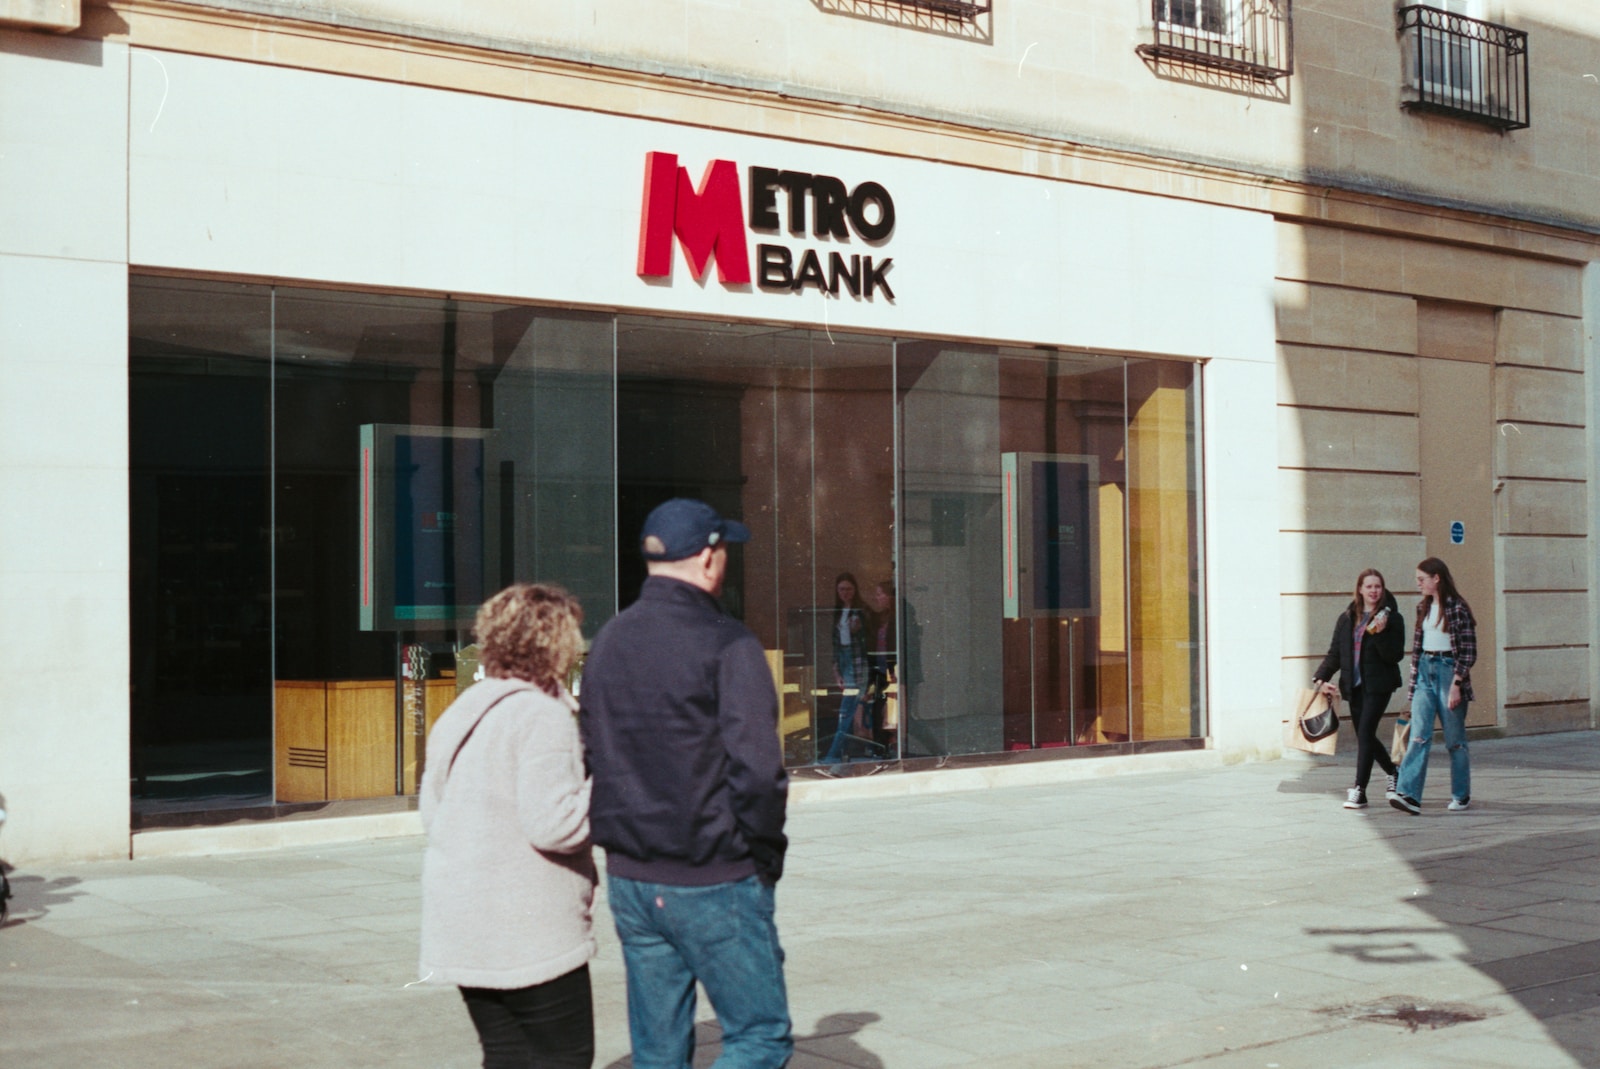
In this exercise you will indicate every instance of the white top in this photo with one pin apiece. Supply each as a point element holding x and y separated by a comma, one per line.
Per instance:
<point>1435,639</point>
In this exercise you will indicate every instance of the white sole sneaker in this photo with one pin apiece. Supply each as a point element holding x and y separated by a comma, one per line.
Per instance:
<point>1459,807</point>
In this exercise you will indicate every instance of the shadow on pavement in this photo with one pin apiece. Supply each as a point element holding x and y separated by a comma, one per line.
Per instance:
<point>34,895</point>
<point>1494,882</point>
<point>832,1041</point>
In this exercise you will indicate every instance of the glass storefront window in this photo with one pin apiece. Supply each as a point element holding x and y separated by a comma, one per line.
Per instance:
<point>471,445</point>
<point>1112,657</point>
<point>958,549</point>
<point>200,500</point>
<point>276,434</point>
<point>1164,550</point>
<point>792,432</point>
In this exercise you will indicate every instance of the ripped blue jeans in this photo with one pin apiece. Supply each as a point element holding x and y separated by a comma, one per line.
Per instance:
<point>1431,700</point>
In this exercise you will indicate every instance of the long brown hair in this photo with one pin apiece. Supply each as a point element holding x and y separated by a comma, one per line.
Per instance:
<point>1447,585</point>
<point>838,603</point>
<point>1355,602</point>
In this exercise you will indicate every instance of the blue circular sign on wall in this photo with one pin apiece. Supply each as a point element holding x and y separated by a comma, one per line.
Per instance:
<point>1458,533</point>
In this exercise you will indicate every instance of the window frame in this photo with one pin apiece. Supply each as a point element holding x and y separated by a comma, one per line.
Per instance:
<point>1455,63</point>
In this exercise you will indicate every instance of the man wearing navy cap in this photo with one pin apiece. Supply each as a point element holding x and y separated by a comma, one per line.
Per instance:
<point>680,727</point>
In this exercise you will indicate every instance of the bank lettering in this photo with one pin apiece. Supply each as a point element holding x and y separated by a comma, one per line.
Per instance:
<point>709,221</point>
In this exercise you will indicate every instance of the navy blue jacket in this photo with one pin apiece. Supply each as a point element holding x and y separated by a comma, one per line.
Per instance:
<point>680,729</point>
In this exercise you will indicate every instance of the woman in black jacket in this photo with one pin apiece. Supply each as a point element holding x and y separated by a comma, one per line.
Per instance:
<point>1368,644</point>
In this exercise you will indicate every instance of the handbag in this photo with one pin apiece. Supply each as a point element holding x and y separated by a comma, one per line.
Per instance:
<point>1318,723</point>
<point>1402,739</point>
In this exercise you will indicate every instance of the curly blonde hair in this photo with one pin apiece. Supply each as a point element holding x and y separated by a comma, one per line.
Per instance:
<point>530,631</point>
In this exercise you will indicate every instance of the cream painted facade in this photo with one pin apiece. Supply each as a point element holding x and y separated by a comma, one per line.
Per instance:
<point>1396,313</point>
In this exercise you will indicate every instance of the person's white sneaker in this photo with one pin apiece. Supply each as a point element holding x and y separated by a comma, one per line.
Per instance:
<point>1392,790</point>
<point>1355,798</point>
<point>1457,806</point>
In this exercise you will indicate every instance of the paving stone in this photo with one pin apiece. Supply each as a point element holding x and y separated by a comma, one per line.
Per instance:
<point>1222,917</point>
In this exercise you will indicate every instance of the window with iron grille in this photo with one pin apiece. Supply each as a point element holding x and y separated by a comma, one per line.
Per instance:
<point>1203,16</point>
<point>961,9</point>
<point>966,19</point>
<point>1458,65</point>
<point>1254,38</point>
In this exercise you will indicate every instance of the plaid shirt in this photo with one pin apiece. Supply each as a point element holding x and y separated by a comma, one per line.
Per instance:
<point>1462,629</point>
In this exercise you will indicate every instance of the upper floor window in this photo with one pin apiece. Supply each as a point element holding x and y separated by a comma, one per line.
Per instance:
<point>1253,38</point>
<point>1458,64</point>
<point>1205,16</point>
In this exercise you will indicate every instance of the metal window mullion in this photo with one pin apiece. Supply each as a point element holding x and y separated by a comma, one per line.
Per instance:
<point>1127,556</point>
<point>272,513</point>
<point>897,548</point>
<point>1527,96</point>
<point>616,469</point>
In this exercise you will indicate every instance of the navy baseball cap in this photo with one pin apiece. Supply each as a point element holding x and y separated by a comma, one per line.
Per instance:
<point>682,527</point>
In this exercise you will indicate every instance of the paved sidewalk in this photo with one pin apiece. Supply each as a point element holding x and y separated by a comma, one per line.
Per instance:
<point>1232,917</point>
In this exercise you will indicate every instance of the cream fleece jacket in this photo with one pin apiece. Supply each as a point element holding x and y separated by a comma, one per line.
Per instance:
<point>508,875</point>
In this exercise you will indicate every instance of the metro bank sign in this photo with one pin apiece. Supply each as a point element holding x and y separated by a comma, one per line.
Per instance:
<point>710,223</point>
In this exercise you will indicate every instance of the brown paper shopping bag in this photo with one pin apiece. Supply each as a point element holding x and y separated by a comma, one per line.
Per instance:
<point>1309,702</point>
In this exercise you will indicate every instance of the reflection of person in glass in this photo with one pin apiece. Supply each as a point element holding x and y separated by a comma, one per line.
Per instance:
<point>849,629</point>
<point>881,663</point>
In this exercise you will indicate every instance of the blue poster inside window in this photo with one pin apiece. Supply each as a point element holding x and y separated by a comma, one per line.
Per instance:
<point>427,526</point>
<point>1052,526</point>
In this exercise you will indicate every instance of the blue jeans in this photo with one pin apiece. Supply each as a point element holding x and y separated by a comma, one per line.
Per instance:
<point>725,937</point>
<point>847,709</point>
<point>1432,699</point>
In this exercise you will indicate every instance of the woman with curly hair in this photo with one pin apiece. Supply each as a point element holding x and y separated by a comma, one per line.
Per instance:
<point>507,877</point>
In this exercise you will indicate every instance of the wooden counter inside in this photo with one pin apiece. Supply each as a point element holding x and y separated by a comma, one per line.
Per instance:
<point>336,738</point>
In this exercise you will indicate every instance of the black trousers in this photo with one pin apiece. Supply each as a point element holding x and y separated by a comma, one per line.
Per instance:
<point>1367,707</point>
<point>546,1026</point>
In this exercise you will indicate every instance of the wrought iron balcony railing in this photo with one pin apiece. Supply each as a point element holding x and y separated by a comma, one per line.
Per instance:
<point>961,9</point>
<point>1254,38</point>
<point>1464,67</point>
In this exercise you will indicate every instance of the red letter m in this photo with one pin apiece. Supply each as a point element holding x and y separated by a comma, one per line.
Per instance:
<point>705,222</point>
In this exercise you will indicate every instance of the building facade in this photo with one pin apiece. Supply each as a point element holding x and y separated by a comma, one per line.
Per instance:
<point>1099,342</point>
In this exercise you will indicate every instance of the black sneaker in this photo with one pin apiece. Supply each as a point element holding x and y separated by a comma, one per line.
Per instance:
<point>1407,804</point>
<point>1392,789</point>
<point>1355,798</point>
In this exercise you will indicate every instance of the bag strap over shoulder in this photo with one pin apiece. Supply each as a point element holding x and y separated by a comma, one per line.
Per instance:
<point>474,727</point>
